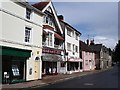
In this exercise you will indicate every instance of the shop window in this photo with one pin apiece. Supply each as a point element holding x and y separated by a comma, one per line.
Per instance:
<point>15,70</point>
<point>27,34</point>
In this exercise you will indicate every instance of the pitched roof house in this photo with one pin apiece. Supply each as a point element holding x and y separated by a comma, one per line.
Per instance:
<point>88,56</point>
<point>102,56</point>
<point>52,38</point>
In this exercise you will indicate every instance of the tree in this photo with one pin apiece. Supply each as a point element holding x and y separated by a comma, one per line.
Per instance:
<point>116,53</point>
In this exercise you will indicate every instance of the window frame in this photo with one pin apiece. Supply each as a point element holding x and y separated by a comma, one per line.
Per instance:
<point>69,32</point>
<point>27,36</point>
<point>50,39</point>
<point>28,13</point>
<point>69,46</point>
<point>76,48</point>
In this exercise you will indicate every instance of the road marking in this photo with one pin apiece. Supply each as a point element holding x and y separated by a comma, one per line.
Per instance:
<point>89,84</point>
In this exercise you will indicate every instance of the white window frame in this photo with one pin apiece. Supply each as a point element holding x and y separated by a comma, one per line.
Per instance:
<point>28,13</point>
<point>28,35</point>
<point>69,46</point>
<point>69,32</point>
<point>76,36</point>
<point>50,41</point>
<point>76,48</point>
<point>73,47</point>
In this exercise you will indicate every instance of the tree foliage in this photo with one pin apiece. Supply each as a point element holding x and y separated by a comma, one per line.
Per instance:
<point>116,53</point>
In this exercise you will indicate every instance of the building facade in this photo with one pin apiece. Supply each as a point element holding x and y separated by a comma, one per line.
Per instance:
<point>20,41</point>
<point>72,62</point>
<point>87,56</point>
<point>103,57</point>
<point>53,41</point>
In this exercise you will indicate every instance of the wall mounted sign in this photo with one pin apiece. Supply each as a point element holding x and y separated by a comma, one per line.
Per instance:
<point>51,51</point>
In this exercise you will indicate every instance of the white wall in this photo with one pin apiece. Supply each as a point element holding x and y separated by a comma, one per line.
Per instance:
<point>13,33</point>
<point>14,26</point>
<point>14,8</point>
<point>71,40</point>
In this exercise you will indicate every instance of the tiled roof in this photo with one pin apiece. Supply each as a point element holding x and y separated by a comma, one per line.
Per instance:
<point>96,47</point>
<point>40,5</point>
<point>84,47</point>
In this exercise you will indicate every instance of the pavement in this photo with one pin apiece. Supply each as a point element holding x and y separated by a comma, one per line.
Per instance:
<point>48,80</point>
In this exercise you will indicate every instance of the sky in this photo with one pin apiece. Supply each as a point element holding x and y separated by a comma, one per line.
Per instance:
<point>93,18</point>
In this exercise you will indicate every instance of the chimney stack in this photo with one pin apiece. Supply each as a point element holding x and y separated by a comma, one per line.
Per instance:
<point>87,41</point>
<point>60,17</point>
<point>92,42</point>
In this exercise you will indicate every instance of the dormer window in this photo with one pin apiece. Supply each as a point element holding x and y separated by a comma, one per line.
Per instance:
<point>28,13</point>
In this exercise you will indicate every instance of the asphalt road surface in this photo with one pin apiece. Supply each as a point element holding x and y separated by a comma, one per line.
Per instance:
<point>105,79</point>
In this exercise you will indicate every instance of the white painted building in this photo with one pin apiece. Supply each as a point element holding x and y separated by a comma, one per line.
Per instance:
<point>21,41</point>
<point>53,41</point>
<point>72,37</point>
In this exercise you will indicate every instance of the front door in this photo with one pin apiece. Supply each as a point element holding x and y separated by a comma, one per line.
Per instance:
<point>36,70</point>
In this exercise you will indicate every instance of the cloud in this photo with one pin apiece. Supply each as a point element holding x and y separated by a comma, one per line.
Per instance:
<point>92,18</point>
<point>109,42</point>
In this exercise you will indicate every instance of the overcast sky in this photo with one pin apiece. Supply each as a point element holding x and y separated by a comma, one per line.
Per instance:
<point>96,19</point>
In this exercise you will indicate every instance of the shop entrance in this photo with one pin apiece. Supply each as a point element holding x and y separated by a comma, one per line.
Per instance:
<point>49,68</point>
<point>72,66</point>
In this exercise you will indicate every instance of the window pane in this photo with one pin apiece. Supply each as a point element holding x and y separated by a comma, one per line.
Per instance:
<point>68,46</point>
<point>27,34</point>
<point>28,13</point>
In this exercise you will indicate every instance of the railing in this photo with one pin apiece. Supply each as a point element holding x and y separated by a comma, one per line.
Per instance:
<point>58,46</point>
<point>55,46</point>
<point>44,44</point>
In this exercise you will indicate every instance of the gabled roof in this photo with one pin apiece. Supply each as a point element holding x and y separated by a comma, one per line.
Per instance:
<point>46,4</point>
<point>40,5</point>
<point>84,47</point>
<point>96,47</point>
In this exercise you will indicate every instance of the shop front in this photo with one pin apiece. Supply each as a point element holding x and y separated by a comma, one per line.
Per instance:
<point>14,64</point>
<point>74,65</point>
<point>50,64</point>
<point>50,61</point>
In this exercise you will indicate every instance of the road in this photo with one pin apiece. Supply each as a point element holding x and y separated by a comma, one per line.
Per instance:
<point>105,79</point>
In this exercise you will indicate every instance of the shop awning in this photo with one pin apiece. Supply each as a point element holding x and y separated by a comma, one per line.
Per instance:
<point>9,51</point>
<point>59,37</point>
<point>51,58</point>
